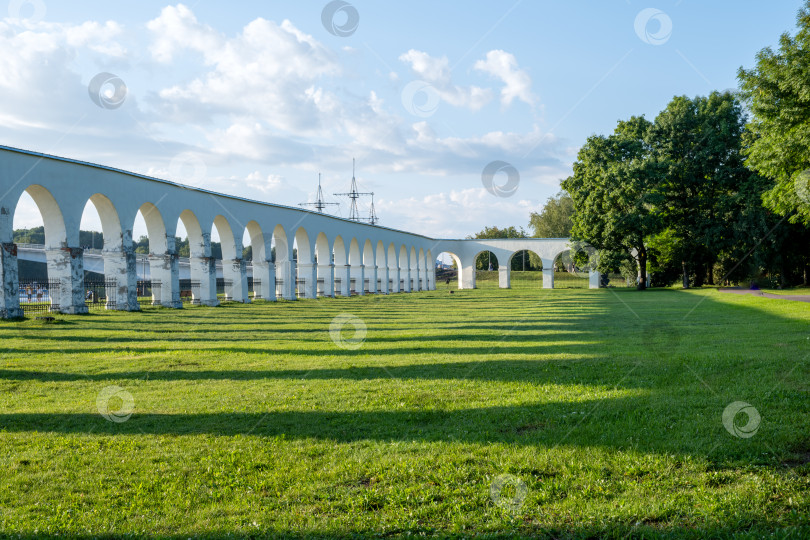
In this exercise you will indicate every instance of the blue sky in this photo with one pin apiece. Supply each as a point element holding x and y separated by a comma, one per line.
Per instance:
<point>255,98</point>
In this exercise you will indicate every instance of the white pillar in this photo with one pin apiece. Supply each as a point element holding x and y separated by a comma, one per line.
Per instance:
<point>264,280</point>
<point>371,276</point>
<point>204,270</point>
<point>432,278</point>
<point>358,276</point>
<point>9,276</point>
<point>417,280</point>
<point>393,275</point>
<point>285,273</point>
<point>66,266</point>
<point>165,275</point>
<point>119,266</point>
<point>405,278</point>
<point>593,279</point>
<point>548,273</point>
<point>504,277</point>
<point>309,273</point>
<point>343,272</point>
<point>467,274</point>
<point>235,271</point>
<point>382,275</point>
<point>326,272</point>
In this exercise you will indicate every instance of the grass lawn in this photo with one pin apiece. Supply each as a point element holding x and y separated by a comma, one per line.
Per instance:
<point>527,411</point>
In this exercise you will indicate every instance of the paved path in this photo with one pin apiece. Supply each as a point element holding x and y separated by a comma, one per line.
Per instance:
<point>796,297</point>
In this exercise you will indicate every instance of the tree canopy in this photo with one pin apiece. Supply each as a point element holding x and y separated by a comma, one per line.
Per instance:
<point>777,92</point>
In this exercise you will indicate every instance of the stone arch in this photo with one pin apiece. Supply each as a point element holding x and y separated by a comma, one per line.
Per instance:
<point>281,254</point>
<point>155,229</point>
<point>381,268</point>
<point>164,270</point>
<point>461,272</point>
<point>356,274</point>
<point>234,269</point>
<point>256,236</point>
<point>369,268</point>
<point>231,246</point>
<point>52,218</point>
<point>110,224</point>
<point>430,268</point>
<point>393,269</point>
<point>422,269</point>
<point>264,271</point>
<point>414,269</point>
<point>404,270</point>
<point>325,269</point>
<point>121,280</point>
<point>342,270</point>
<point>65,287</point>
<point>203,285</point>
<point>306,274</point>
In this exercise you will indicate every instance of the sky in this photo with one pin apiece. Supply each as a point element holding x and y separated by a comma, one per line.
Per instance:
<point>460,115</point>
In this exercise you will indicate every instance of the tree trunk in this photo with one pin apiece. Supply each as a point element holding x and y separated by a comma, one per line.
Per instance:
<point>710,273</point>
<point>685,275</point>
<point>642,269</point>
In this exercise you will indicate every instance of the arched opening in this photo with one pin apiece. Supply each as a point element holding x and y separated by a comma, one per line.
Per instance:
<point>430,268</point>
<point>40,234</point>
<point>201,287</point>
<point>404,270</point>
<point>257,267</point>
<point>342,276</point>
<point>282,257</point>
<point>369,269</point>
<point>448,269</point>
<point>486,270</point>
<point>422,270</point>
<point>355,268</point>
<point>525,269</point>
<point>393,269</point>
<point>156,259</point>
<point>325,270</point>
<point>306,276</point>
<point>414,267</point>
<point>382,269</point>
<point>233,283</point>
<point>570,270</point>
<point>108,282</point>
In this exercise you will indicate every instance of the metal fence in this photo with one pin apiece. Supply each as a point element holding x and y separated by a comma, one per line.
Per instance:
<point>100,294</point>
<point>39,295</point>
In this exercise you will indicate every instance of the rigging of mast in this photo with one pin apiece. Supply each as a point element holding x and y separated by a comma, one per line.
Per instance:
<point>354,194</point>
<point>319,203</point>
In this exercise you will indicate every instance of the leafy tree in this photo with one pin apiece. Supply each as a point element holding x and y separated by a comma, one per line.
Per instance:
<point>554,220</point>
<point>614,190</point>
<point>777,92</point>
<point>698,143</point>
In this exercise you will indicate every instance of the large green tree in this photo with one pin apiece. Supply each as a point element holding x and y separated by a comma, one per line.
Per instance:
<point>554,220</point>
<point>777,93</point>
<point>698,144</point>
<point>614,190</point>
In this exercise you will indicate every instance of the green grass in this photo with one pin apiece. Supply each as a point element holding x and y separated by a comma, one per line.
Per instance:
<point>606,405</point>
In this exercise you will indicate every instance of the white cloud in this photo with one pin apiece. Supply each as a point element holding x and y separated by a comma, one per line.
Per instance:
<point>436,71</point>
<point>504,66</point>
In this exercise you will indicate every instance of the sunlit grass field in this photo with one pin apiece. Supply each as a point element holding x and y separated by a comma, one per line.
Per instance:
<point>560,413</point>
